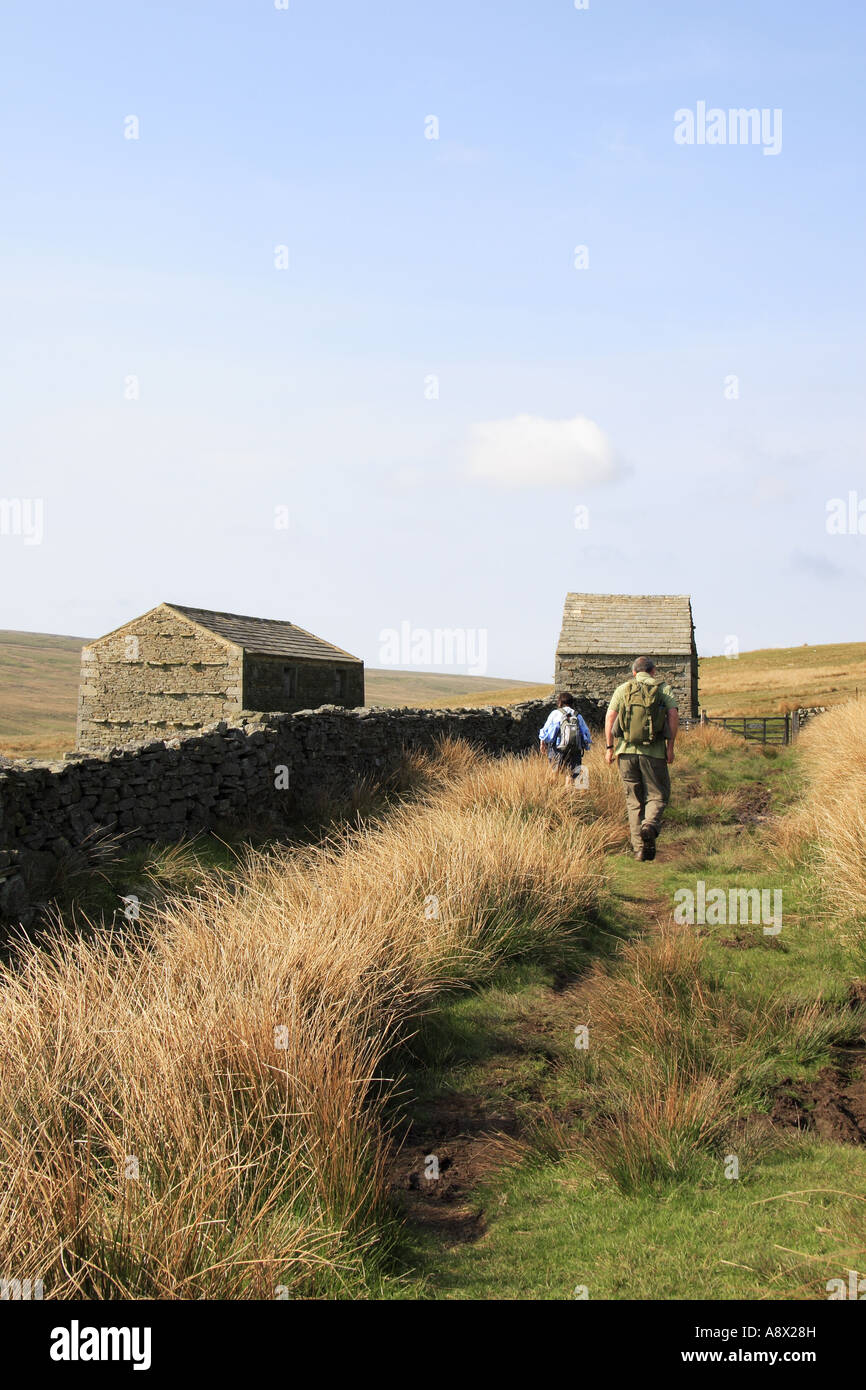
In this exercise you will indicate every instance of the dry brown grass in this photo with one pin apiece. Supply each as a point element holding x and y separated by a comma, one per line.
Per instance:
<point>44,747</point>
<point>239,1052</point>
<point>833,814</point>
<point>708,737</point>
<point>654,1028</point>
<point>780,679</point>
<point>508,695</point>
<point>491,782</point>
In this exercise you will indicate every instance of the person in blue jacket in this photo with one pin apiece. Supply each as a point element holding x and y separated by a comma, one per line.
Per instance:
<point>577,737</point>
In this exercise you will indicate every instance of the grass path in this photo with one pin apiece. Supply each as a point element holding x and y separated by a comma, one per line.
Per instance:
<point>508,1191</point>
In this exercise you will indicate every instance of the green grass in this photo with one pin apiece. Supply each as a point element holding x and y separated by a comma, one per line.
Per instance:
<point>781,1230</point>
<point>561,1212</point>
<point>806,960</point>
<point>793,1218</point>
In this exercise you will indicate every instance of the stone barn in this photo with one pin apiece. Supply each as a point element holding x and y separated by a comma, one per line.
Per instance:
<point>603,633</point>
<point>176,669</point>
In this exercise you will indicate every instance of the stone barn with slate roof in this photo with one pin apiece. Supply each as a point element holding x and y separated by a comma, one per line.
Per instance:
<point>603,633</point>
<point>177,669</point>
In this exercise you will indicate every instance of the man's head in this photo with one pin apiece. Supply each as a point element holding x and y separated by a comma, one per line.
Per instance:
<point>564,699</point>
<point>644,663</point>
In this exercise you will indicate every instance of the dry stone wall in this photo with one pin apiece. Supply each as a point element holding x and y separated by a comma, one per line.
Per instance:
<point>811,712</point>
<point>594,677</point>
<point>265,769</point>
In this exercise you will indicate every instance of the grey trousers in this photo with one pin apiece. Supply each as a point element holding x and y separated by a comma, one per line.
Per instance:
<point>647,783</point>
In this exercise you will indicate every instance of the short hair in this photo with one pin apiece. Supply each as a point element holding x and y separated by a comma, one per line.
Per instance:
<point>564,699</point>
<point>643,663</point>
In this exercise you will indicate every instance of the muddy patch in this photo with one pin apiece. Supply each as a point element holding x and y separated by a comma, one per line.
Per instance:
<point>857,994</point>
<point>741,942</point>
<point>747,941</point>
<point>752,803</point>
<point>446,1155</point>
<point>833,1106</point>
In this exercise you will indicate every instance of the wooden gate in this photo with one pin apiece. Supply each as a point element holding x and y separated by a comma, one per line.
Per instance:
<point>760,728</point>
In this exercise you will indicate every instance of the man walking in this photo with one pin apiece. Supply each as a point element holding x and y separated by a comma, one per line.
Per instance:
<point>643,711</point>
<point>566,737</point>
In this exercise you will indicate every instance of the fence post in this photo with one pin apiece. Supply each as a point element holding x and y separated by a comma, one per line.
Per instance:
<point>703,715</point>
<point>795,725</point>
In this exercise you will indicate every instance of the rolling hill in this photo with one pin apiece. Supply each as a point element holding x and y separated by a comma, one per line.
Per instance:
<point>38,693</point>
<point>781,678</point>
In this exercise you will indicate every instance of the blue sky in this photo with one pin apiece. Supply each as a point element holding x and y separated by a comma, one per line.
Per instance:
<point>311,388</point>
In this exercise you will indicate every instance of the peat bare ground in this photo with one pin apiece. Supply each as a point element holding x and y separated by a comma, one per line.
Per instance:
<point>444,1160</point>
<point>456,1141</point>
<point>833,1106</point>
<point>753,802</point>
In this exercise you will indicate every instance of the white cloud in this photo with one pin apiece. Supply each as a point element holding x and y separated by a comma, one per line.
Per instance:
<point>528,451</point>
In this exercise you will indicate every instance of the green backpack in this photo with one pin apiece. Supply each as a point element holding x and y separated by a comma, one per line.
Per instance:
<point>643,715</point>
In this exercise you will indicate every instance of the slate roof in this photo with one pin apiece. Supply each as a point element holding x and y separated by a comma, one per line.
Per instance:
<point>263,636</point>
<point>626,624</point>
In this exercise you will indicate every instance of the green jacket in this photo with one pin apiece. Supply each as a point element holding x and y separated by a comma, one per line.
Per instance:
<point>656,749</point>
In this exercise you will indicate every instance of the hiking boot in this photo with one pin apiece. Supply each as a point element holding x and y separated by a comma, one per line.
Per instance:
<point>640,854</point>
<point>648,835</point>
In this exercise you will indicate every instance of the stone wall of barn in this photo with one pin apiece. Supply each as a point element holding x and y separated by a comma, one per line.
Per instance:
<point>279,682</point>
<point>594,677</point>
<point>156,677</point>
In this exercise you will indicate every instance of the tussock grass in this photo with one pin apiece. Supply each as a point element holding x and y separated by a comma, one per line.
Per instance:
<point>704,737</point>
<point>200,1111</point>
<point>692,1033</point>
<point>830,825</point>
<point>678,1063</point>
